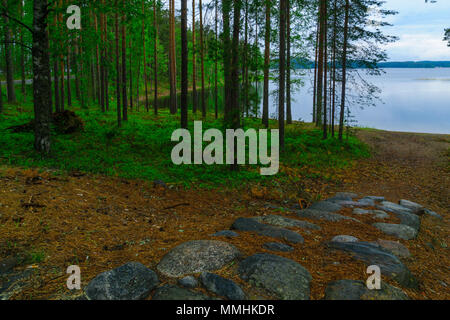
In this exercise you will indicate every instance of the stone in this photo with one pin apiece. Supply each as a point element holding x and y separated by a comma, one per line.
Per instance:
<point>327,206</point>
<point>361,211</point>
<point>188,282</point>
<point>374,198</point>
<point>12,283</point>
<point>373,254</point>
<point>404,214</point>
<point>367,202</point>
<point>322,215</point>
<point>414,207</point>
<point>131,281</point>
<point>281,221</point>
<point>352,204</point>
<point>357,290</point>
<point>400,231</point>
<point>221,286</point>
<point>277,246</point>
<point>197,256</point>
<point>344,238</point>
<point>395,247</point>
<point>379,214</point>
<point>171,292</point>
<point>7,265</point>
<point>281,277</point>
<point>249,224</point>
<point>225,233</point>
<point>346,195</point>
<point>432,214</point>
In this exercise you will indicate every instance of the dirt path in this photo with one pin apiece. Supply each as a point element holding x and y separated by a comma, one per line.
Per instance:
<point>98,223</point>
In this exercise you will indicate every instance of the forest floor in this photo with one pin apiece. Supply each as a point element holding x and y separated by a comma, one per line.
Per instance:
<point>51,219</point>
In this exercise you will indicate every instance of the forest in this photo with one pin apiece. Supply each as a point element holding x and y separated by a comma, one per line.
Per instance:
<point>91,92</point>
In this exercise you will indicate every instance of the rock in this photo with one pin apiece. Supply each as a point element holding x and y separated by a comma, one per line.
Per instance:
<point>282,277</point>
<point>281,221</point>
<point>221,286</point>
<point>197,256</point>
<point>432,214</point>
<point>7,265</point>
<point>276,246</point>
<point>352,204</point>
<point>225,233</point>
<point>12,283</point>
<point>379,214</point>
<point>357,290</point>
<point>188,282</point>
<point>372,254</point>
<point>404,214</point>
<point>374,198</point>
<point>249,224</point>
<point>171,292</point>
<point>395,247</point>
<point>344,238</point>
<point>367,202</point>
<point>361,211</point>
<point>346,195</point>
<point>400,231</point>
<point>131,281</point>
<point>322,215</point>
<point>327,206</point>
<point>414,207</point>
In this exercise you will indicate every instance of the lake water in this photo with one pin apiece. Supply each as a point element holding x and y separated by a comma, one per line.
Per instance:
<point>412,100</point>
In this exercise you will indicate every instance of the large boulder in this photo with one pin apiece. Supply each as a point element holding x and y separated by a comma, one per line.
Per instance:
<point>197,256</point>
<point>322,215</point>
<point>357,290</point>
<point>221,286</point>
<point>249,224</point>
<point>171,292</point>
<point>328,206</point>
<point>395,247</point>
<point>131,281</point>
<point>372,254</point>
<point>400,231</point>
<point>280,221</point>
<point>282,277</point>
<point>406,216</point>
<point>414,207</point>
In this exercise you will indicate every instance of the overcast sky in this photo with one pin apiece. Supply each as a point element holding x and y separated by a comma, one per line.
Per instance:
<point>419,26</point>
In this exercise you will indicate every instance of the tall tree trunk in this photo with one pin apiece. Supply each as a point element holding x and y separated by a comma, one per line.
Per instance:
<point>325,73</point>
<point>265,117</point>
<point>11,91</point>
<point>194,63</point>
<point>119,80</point>
<point>145,59</point>
<point>333,105</point>
<point>344,69</point>
<point>130,69</point>
<point>184,66</point>
<point>315,72</point>
<point>69,88</point>
<point>202,60</point>
<point>155,58</point>
<point>319,104</point>
<point>42,91</point>
<point>226,10</point>
<point>124,68</point>
<point>97,64</point>
<point>282,71</point>
<point>102,61</point>
<point>22,54</point>
<point>216,57</point>
<point>288,63</point>
<point>245,58</point>
<point>1,98</point>
<point>172,60</point>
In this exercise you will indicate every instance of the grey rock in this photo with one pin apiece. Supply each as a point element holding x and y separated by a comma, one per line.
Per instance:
<point>393,207</point>
<point>367,202</point>
<point>249,224</point>
<point>12,283</point>
<point>282,277</point>
<point>327,206</point>
<point>171,292</point>
<point>221,286</point>
<point>351,204</point>
<point>346,195</point>
<point>225,233</point>
<point>432,214</point>
<point>375,198</point>
<point>277,246</point>
<point>400,231</point>
<point>322,215</point>
<point>197,256</point>
<point>372,254</point>
<point>281,221</point>
<point>344,238</point>
<point>7,265</point>
<point>395,247</point>
<point>361,211</point>
<point>414,207</point>
<point>404,214</point>
<point>188,282</point>
<point>379,214</point>
<point>357,290</point>
<point>131,281</point>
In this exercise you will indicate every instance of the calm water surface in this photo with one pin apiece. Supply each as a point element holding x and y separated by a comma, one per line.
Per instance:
<point>413,100</point>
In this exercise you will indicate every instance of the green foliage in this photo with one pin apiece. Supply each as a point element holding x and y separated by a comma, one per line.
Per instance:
<point>142,148</point>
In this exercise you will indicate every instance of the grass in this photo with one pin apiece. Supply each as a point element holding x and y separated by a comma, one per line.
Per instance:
<point>142,148</point>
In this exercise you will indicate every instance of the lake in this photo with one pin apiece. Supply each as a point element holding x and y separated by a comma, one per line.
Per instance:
<point>413,100</point>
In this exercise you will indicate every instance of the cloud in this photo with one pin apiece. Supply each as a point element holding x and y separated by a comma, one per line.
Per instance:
<point>419,46</point>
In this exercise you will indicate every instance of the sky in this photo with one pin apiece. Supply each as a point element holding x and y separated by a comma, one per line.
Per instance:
<point>418,25</point>
<point>420,28</point>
